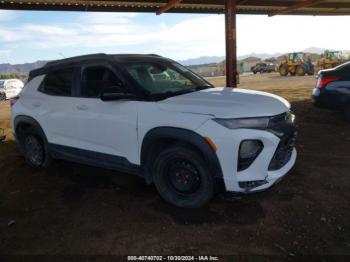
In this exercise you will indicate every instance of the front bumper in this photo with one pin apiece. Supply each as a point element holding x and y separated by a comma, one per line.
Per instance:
<point>274,161</point>
<point>273,177</point>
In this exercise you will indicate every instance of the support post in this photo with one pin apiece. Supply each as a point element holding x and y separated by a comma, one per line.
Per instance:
<point>168,6</point>
<point>231,45</point>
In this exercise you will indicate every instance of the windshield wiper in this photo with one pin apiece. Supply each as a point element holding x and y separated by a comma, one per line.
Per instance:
<point>174,93</point>
<point>198,88</point>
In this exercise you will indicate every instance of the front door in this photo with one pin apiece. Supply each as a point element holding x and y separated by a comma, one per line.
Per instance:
<point>106,127</point>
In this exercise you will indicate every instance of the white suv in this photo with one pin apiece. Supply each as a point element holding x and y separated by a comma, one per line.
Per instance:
<point>150,116</point>
<point>10,88</point>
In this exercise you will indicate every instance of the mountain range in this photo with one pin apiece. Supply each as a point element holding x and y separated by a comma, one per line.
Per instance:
<point>20,68</point>
<point>25,68</point>
<point>216,59</point>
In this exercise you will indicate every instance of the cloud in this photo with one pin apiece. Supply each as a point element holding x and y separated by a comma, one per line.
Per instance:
<point>262,34</point>
<point>5,52</point>
<point>189,37</point>
<point>48,30</point>
<point>6,15</point>
<point>105,18</point>
<point>193,36</point>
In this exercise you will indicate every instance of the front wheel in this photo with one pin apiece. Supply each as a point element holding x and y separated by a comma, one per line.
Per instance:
<point>182,177</point>
<point>301,71</point>
<point>283,70</point>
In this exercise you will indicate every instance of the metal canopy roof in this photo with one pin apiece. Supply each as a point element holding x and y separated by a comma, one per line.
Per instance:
<point>229,7</point>
<point>272,7</point>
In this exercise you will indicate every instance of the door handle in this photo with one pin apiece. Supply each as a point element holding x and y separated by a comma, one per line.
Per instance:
<point>36,104</point>
<point>82,107</point>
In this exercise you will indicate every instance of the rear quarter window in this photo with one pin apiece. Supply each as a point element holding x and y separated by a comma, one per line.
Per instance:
<point>58,82</point>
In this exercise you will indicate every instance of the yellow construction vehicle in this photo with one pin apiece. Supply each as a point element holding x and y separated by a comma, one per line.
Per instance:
<point>329,59</point>
<point>296,64</point>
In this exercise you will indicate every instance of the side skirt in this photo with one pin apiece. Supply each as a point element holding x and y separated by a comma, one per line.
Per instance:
<point>92,158</point>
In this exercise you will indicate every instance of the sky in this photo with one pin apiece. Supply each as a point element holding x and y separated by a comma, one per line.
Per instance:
<point>27,36</point>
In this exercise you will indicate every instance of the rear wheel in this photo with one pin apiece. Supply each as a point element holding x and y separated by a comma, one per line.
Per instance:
<point>34,148</point>
<point>300,70</point>
<point>283,70</point>
<point>2,96</point>
<point>182,177</point>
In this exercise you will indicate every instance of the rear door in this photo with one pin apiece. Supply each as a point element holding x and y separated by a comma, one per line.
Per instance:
<point>54,106</point>
<point>106,127</point>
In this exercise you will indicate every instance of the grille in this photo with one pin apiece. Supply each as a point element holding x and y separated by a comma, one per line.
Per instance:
<point>284,127</point>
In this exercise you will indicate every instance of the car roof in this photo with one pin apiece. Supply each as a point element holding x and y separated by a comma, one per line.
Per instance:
<point>83,58</point>
<point>344,65</point>
<point>77,60</point>
<point>137,57</point>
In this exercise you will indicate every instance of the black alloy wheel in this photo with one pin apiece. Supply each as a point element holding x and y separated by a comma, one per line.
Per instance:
<point>182,177</point>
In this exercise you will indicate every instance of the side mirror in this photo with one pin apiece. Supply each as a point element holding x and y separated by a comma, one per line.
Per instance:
<point>116,96</point>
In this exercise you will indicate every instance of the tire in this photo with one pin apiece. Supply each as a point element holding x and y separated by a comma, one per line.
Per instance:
<point>283,70</point>
<point>300,70</point>
<point>34,148</point>
<point>182,177</point>
<point>254,72</point>
<point>2,96</point>
<point>311,72</point>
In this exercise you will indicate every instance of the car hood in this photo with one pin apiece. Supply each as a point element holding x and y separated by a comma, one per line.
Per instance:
<point>227,103</point>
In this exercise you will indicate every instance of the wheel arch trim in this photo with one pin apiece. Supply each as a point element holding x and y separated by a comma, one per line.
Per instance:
<point>28,120</point>
<point>182,135</point>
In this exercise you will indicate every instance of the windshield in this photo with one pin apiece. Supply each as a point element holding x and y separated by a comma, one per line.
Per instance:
<point>334,55</point>
<point>2,82</point>
<point>161,79</point>
<point>296,56</point>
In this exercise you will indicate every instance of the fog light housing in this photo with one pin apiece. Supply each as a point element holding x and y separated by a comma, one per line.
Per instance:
<point>249,150</point>
<point>248,185</point>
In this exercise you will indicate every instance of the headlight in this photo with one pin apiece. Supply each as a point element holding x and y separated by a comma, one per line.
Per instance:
<point>252,123</point>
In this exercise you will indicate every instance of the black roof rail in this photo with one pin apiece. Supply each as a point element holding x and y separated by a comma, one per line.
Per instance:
<point>76,58</point>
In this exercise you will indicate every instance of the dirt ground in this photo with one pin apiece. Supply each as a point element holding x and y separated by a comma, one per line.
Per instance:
<point>73,209</point>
